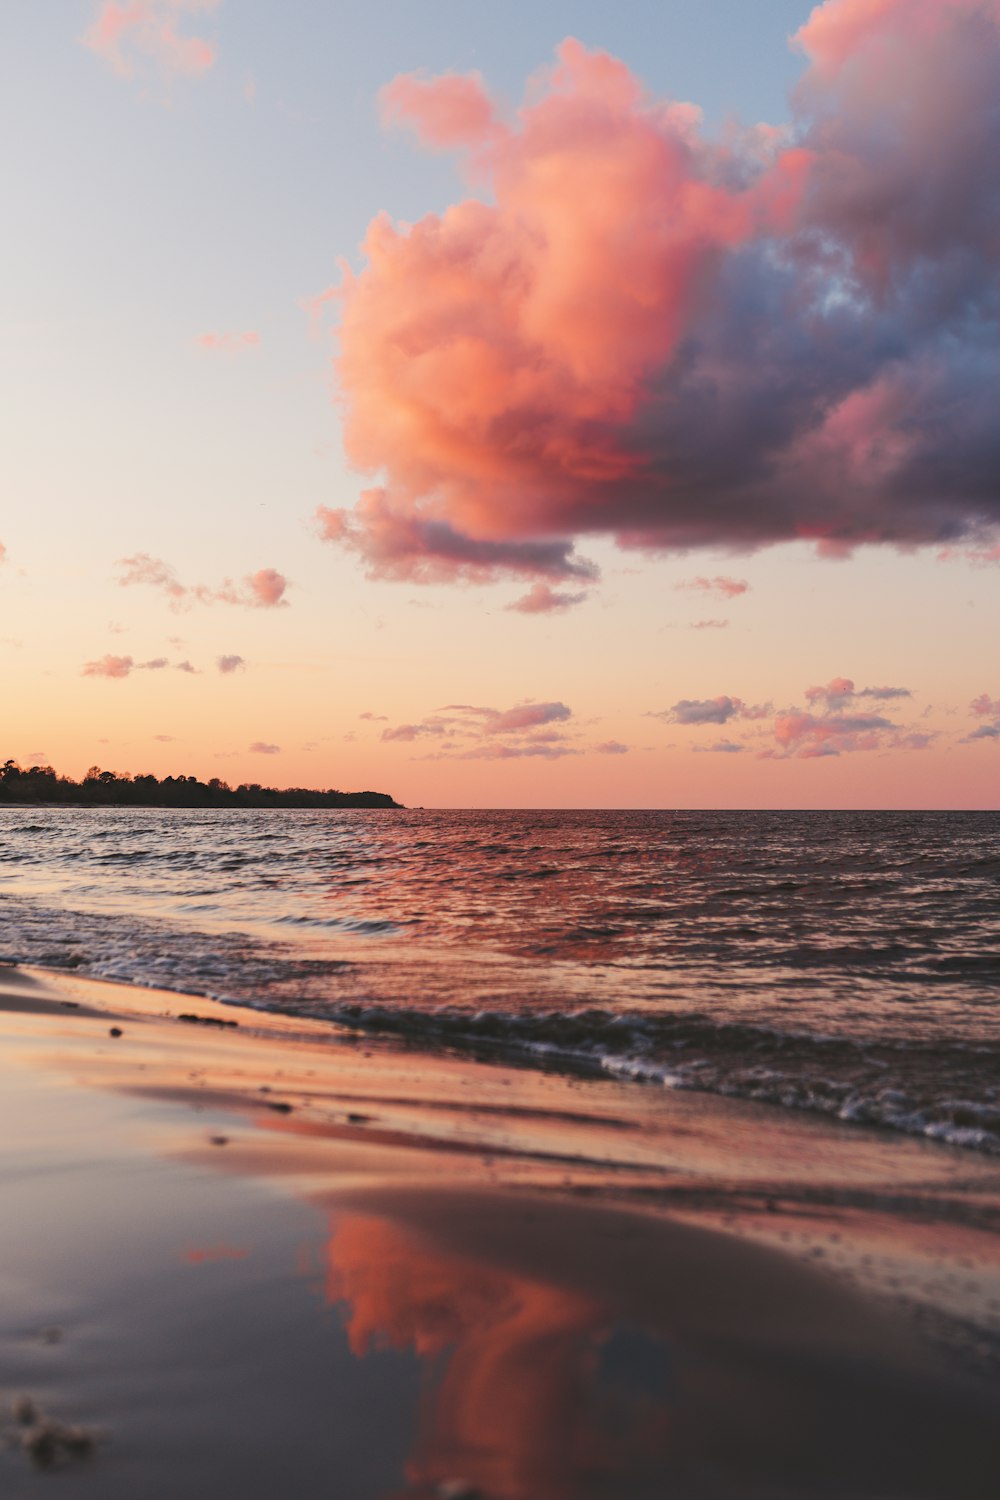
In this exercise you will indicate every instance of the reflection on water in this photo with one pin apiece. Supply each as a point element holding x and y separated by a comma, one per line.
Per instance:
<point>686,1378</point>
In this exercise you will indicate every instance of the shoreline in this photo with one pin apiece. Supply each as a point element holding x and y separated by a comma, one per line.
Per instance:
<point>571,1043</point>
<point>448,1219</point>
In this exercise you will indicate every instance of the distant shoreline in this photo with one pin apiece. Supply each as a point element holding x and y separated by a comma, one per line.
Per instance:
<point>290,799</point>
<point>40,786</point>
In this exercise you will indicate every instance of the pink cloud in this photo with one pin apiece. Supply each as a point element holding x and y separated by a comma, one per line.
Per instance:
<point>410,732</point>
<point>316,306</point>
<point>122,666</point>
<point>266,588</point>
<point>676,341</point>
<point>146,31</point>
<point>840,691</point>
<point>987,710</point>
<point>836,693</point>
<point>807,733</point>
<point>709,625</point>
<point>524,716</point>
<point>261,590</point>
<point>721,747</point>
<point>809,737</point>
<point>472,731</point>
<point>425,549</point>
<point>229,664</point>
<point>375,718</point>
<point>541,598</point>
<point>712,710</point>
<point>228,343</point>
<point>528,749</point>
<point>261,747</point>
<point>611,747</point>
<point>152,571</point>
<point>980,557</point>
<point>109,666</point>
<point>728,588</point>
<point>917,740</point>
<point>3,553</point>
<point>452,110</point>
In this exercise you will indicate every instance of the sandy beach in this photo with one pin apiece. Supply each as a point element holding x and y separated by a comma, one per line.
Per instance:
<point>248,1257</point>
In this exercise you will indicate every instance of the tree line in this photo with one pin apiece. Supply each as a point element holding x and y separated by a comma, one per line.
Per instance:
<point>120,789</point>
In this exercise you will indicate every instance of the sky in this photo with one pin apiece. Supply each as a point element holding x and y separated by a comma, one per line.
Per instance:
<point>552,405</point>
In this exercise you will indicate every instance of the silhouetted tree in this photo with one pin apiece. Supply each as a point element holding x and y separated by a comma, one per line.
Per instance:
<point>101,788</point>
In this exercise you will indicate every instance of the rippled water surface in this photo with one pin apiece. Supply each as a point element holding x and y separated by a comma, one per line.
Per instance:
<point>844,962</point>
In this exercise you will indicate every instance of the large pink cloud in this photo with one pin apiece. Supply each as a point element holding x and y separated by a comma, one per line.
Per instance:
<point>137,31</point>
<point>675,341</point>
<point>264,589</point>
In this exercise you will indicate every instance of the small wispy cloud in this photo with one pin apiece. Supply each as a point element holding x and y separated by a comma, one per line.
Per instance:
<point>108,666</point>
<point>987,711</point>
<point>118,667</point>
<point>134,33</point>
<point>541,599</point>
<point>840,691</point>
<point>721,747</point>
<point>717,710</point>
<point>264,589</point>
<point>726,588</point>
<point>228,343</point>
<point>980,557</point>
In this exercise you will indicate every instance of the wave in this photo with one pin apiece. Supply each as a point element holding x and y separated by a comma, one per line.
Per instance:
<point>945,1092</point>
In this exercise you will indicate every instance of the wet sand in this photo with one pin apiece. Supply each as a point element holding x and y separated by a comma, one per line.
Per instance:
<point>253,1260</point>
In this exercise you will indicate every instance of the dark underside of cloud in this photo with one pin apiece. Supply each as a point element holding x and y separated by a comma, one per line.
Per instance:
<point>682,342</point>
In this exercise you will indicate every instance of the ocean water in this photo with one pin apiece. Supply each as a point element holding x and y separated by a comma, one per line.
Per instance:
<point>847,963</point>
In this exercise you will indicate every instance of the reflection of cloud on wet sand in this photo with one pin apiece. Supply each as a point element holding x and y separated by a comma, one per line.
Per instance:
<point>574,1352</point>
<point>515,1360</point>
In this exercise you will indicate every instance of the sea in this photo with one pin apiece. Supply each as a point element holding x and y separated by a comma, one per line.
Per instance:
<point>846,963</point>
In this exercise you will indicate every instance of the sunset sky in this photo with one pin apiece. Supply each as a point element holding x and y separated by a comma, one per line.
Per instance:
<point>545,405</point>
